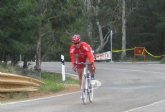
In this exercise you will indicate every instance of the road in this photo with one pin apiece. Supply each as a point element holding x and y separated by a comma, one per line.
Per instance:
<point>126,87</point>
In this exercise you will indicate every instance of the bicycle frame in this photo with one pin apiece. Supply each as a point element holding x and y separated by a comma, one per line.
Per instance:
<point>86,87</point>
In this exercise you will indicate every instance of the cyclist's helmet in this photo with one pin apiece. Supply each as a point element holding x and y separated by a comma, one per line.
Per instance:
<point>76,39</point>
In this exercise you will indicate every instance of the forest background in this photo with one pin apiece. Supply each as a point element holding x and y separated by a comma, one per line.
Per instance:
<point>41,30</point>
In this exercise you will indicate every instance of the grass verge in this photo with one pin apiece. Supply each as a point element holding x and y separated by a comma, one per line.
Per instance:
<point>54,83</point>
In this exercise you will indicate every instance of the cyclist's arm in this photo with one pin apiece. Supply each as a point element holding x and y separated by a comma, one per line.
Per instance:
<point>88,49</point>
<point>91,57</point>
<point>72,55</point>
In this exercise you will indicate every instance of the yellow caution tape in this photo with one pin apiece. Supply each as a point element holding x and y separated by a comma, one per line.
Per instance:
<point>122,50</point>
<point>153,55</point>
<point>116,51</point>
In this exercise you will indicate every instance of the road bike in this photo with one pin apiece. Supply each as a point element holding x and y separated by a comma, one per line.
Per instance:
<point>86,86</point>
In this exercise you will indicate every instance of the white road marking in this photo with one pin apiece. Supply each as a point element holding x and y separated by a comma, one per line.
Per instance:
<point>98,83</point>
<point>142,107</point>
<point>43,98</point>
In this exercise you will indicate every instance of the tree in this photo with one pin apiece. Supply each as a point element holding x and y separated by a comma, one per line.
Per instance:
<point>126,12</point>
<point>145,27</point>
<point>95,13</point>
<point>17,28</point>
<point>123,30</point>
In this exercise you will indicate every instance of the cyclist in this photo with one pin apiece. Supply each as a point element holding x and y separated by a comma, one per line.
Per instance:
<point>84,52</point>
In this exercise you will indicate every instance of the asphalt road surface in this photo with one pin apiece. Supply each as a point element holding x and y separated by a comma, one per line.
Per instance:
<point>126,87</point>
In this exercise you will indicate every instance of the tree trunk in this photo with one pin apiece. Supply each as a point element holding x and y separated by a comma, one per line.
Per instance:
<point>89,6</point>
<point>123,55</point>
<point>88,10</point>
<point>89,31</point>
<point>38,53</point>
<point>25,62</point>
<point>101,46</point>
<point>102,43</point>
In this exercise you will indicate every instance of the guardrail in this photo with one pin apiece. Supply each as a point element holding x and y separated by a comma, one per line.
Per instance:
<point>17,83</point>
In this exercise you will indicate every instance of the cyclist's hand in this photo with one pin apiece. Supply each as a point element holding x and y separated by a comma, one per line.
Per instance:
<point>93,66</point>
<point>74,68</point>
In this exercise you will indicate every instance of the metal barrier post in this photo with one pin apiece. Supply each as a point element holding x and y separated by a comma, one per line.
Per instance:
<point>63,67</point>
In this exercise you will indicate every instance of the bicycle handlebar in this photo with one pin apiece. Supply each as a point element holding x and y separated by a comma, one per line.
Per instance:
<point>83,63</point>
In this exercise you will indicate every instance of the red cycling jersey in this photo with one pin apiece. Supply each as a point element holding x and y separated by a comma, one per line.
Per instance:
<point>84,52</point>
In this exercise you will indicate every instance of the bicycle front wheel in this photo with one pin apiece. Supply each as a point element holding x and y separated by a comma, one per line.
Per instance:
<point>90,93</point>
<point>84,90</point>
<point>84,97</point>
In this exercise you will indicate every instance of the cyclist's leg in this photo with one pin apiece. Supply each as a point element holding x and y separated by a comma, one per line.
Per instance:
<point>91,68</point>
<point>92,71</point>
<point>80,73</point>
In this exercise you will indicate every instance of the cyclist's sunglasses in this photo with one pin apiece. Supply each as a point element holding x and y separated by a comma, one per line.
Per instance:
<point>76,43</point>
